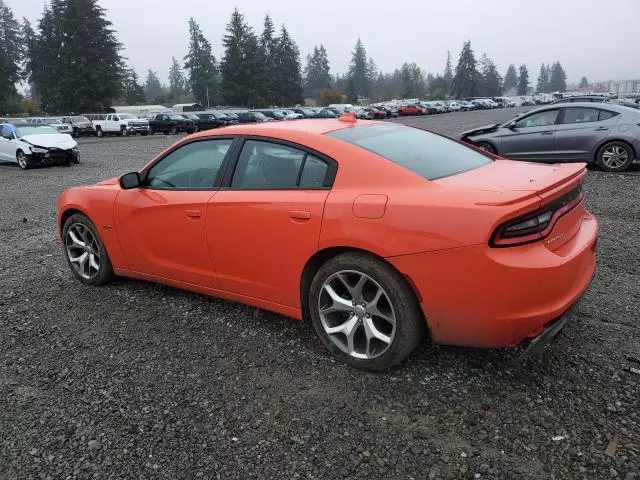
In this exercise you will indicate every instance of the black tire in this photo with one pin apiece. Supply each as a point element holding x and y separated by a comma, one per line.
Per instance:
<point>486,146</point>
<point>144,134</point>
<point>614,166</point>
<point>99,132</point>
<point>24,160</point>
<point>151,131</point>
<point>173,131</point>
<point>105,272</point>
<point>76,134</point>
<point>124,132</point>
<point>410,323</point>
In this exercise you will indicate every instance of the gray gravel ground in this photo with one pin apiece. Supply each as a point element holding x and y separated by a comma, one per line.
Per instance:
<point>140,381</point>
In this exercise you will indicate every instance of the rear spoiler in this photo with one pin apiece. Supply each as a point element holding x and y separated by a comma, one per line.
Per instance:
<point>479,130</point>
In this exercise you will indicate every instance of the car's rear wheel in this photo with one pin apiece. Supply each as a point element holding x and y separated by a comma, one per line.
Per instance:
<point>124,132</point>
<point>487,147</point>
<point>173,131</point>
<point>23,160</point>
<point>615,157</point>
<point>364,311</point>
<point>84,251</point>
<point>99,132</point>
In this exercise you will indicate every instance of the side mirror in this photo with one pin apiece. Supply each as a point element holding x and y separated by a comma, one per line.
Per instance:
<point>512,126</point>
<point>130,180</point>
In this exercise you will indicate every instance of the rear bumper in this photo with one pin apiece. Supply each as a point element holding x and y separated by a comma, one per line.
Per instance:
<point>548,335</point>
<point>498,297</point>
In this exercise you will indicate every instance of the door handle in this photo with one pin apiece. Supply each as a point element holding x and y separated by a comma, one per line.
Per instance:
<point>601,129</point>
<point>193,213</point>
<point>300,214</point>
<point>546,133</point>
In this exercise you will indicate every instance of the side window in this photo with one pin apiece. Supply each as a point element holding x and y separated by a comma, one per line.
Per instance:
<point>606,115</point>
<point>265,165</point>
<point>191,167</point>
<point>580,115</point>
<point>540,119</point>
<point>6,132</point>
<point>115,118</point>
<point>313,172</point>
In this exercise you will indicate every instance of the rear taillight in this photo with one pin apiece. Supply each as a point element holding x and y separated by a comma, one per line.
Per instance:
<point>535,225</point>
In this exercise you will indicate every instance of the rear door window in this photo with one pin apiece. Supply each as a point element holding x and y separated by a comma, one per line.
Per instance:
<point>580,115</point>
<point>427,154</point>
<point>606,114</point>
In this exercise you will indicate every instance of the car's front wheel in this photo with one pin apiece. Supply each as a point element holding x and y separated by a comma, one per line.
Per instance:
<point>23,160</point>
<point>615,157</point>
<point>487,147</point>
<point>84,251</point>
<point>365,312</point>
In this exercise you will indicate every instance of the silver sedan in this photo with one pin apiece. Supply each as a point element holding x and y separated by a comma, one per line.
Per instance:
<point>603,133</point>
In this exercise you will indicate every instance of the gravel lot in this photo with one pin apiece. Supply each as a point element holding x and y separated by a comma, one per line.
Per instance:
<point>140,381</point>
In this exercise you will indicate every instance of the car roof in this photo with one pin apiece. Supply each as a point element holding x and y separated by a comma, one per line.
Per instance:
<point>606,105</point>
<point>276,129</point>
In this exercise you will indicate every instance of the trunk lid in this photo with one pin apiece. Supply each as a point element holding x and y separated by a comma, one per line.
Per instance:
<point>516,181</point>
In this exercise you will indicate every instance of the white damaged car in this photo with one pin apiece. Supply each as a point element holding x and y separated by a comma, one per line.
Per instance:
<point>30,145</point>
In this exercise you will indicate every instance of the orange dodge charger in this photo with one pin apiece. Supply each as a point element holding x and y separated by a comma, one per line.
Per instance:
<point>374,231</point>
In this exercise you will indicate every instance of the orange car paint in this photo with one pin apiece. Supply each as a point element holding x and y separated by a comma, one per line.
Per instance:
<point>252,246</point>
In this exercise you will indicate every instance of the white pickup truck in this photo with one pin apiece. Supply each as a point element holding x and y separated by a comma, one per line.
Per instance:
<point>120,124</point>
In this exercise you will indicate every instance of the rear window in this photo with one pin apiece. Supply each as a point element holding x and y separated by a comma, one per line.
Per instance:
<point>427,154</point>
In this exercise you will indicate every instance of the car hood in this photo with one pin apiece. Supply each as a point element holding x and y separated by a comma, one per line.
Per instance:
<point>62,141</point>
<point>110,181</point>
<point>515,181</point>
<point>479,130</point>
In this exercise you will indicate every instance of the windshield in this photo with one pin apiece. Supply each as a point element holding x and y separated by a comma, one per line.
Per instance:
<point>427,154</point>
<point>126,116</point>
<point>232,116</point>
<point>259,115</point>
<point>219,115</point>
<point>35,130</point>
<point>80,119</point>
<point>176,117</point>
<point>192,117</point>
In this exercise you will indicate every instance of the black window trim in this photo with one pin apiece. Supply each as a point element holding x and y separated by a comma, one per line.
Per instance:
<point>144,173</point>
<point>327,183</point>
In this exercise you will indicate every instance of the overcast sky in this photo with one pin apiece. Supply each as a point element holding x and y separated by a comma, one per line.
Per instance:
<point>595,38</point>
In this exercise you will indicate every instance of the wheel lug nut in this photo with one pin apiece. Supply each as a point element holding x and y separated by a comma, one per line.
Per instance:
<point>364,304</point>
<point>353,303</point>
<point>367,315</point>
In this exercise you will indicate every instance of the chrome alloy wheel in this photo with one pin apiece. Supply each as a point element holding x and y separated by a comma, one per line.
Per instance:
<point>357,314</point>
<point>22,159</point>
<point>83,251</point>
<point>615,156</point>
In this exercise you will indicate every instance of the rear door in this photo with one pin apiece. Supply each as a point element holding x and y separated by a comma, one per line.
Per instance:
<point>580,130</point>
<point>265,225</point>
<point>532,137</point>
<point>7,143</point>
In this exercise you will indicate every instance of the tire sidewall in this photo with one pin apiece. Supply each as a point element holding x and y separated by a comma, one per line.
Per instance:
<point>105,273</point>
<point>27,160</point>
<point>410,324</point>
<point>611,144</point>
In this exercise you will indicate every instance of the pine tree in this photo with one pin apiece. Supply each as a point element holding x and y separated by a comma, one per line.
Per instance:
<point>448,73</point>
<point>11,56</point>
<point>132,91</point>
<point>287,59</point>
<point>358,74</point>
<point>266,78</point>
<point>543,79</point>
<point>152,88</point>
<point>241,63</point>
<point>466,80</point>
<point>557,78</point>
<point>510,79</point>
<point>413,85</point>
<point>491,79</point>
<point>584,83</point>
<point>177,80</point>
<point>201,65</point>
<point>523,80</point>
<point>76,63</point>
<point>316,72</point>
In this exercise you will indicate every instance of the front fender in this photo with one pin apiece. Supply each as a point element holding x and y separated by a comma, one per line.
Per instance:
<point>97,203</point>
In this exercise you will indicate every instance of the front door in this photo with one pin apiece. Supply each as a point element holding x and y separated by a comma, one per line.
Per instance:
<point>7,143</point>
<point>266,225</point>
<point>532,137</point>
<point>162,225</point>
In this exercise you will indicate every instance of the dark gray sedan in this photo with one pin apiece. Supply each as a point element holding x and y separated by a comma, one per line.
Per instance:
<point>601,133</point>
